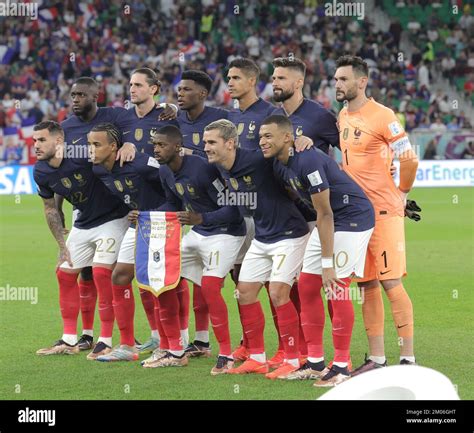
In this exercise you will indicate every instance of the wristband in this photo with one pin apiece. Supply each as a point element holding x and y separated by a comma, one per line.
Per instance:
<point>327,262</point>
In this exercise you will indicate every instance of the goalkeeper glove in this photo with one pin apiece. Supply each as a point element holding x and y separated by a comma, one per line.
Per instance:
<point>411,210</point>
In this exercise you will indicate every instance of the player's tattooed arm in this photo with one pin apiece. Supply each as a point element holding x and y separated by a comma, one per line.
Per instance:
<point>59,200</point>
<point>55,224</point>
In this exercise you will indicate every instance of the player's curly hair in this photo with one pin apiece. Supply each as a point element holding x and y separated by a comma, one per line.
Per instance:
<point>114,135</point>
<point>199,77</point>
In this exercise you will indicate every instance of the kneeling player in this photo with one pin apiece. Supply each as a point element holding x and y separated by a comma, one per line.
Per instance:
<point>93,241</point>
<point>335,252</point>
<point>209,249</point>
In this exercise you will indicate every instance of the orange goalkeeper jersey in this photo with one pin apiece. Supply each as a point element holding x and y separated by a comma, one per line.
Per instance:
<point>368,138</point>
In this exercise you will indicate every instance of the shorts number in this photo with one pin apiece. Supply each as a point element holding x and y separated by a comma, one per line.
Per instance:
<point>283,257</point>
<point>216,255</point>
<point>110,242</point>
<point>384,255</point>
<point>345,258</point>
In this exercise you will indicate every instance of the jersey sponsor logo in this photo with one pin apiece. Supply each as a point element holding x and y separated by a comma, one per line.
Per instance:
<point>75,141</point>
<point>152,162</point>
<point>66,182</point>
<point>138,134</point>
<point>218,185</point>
<point>126,132</point>
<point>196,138</point>
<point>240,128</point>
<point>299,131</point>
<point>234,182</point>
<point>118,185</point>
<point>345,134</point>
<point>298,183</point>
<point>395,128</point>
<point>315,178</point>
<point>179,188</point>
<point>80,179</point>
<point>357,133</point>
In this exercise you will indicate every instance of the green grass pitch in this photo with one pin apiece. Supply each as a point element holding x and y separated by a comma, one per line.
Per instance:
<point>440,266</point>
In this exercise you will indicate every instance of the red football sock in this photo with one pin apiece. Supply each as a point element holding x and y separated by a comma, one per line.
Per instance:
<point>124,309</point>
<point>275,319</point>
<point>295,298</point>
<point>245,340</point>
<point>68,300</point>
<point>183,296</point>
<point>289,329</point>
<point>103,282</point>
<point>169,314</point>
<point>88,294</point>
<point>253,323</point>
<point>149,307</point>
<point>312,313</point>
<point>211,290</point>
<point>201,312</point>
<point>342,324</point>
<point>164,343</point>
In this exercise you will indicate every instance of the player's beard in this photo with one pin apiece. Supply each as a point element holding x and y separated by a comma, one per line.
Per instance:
<point>348,96</point>
<point>283,95</point>
<point>86,109</point>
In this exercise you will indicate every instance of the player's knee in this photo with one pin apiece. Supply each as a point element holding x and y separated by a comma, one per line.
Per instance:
<point>279,296</point>
<point>121,276</point>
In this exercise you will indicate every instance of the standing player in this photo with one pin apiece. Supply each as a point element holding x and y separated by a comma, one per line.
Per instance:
<point>93,241</point>
<point>308,117</point>
<point>193,91</point>
<point>138,185</point>
<point>210,247</point>
<point>84,94</point>
<point>336,249</point>
<point>276,253</point>
<point>370,137</point>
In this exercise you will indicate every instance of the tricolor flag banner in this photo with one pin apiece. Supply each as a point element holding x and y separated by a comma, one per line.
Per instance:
<point>158,251</point>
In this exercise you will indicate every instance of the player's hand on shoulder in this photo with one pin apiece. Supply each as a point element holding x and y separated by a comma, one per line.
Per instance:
<point>126,153</point>
<point>170,111</point>
<point>302,143</point>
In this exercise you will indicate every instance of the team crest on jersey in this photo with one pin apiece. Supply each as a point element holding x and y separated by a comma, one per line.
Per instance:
<point>196,138</point>
<point>118,185</point>
<point>128,182</point>
<point>357,133</point>
<point>240,128</point>
<point>190,189</point>
<point>80,179</point>
<point>179,188</point>
<point>345,134</point>
<point>248,181</point>
<point>252,127</point>
<point>138,134</point>
<point>66,182</point>
<point>156,256</point>
<point>299,131</point>
<point>298,183</point>
<point>234,183</point>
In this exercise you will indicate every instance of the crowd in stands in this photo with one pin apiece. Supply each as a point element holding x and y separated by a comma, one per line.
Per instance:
<point>39,59</point>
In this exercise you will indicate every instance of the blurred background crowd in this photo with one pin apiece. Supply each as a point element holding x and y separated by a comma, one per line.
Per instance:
<point>409,45</point>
